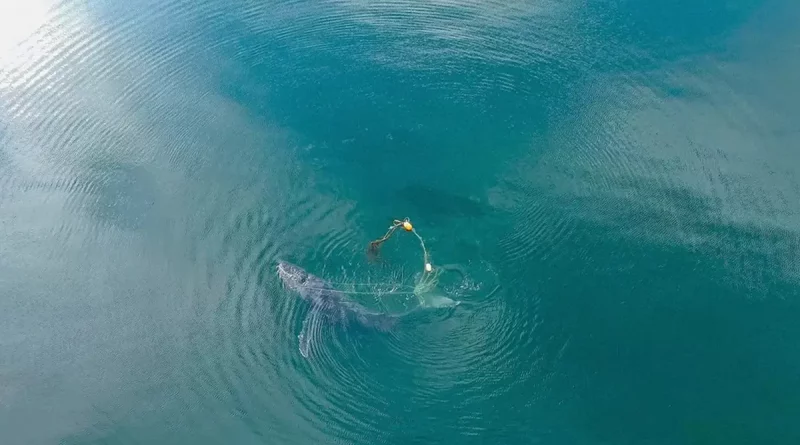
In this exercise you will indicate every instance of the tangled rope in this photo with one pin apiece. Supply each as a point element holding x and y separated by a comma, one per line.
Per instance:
<point>426,288</point>
<point>374,246</point>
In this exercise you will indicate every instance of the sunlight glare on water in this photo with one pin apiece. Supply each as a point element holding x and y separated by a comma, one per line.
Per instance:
<point>19,22</point>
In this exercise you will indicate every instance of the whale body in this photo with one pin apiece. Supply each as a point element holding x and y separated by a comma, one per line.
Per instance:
<point>327,305</point>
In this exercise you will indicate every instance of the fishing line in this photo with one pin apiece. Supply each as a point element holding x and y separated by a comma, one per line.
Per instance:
<point>427,282</point>
<point>392,292</point>
<point>374,246</point>
<point>429,278</point>
<point>343,283</point>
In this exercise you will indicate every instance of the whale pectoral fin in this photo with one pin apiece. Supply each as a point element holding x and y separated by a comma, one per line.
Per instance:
<point>309,330</point>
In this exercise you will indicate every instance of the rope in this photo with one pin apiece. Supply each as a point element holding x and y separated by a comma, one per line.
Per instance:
<point>374,246</point>
<point>327,289</point>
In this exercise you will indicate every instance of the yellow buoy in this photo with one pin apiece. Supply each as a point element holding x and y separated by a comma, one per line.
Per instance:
<point>407,225</point>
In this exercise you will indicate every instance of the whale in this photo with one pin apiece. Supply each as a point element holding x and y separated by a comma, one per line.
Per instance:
<point>327,305</point>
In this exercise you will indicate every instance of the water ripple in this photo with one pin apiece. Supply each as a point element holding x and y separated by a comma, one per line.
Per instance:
<point>337,391</point>
<point>120,123</point>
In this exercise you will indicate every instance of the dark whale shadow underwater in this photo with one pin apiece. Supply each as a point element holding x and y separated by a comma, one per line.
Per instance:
<point>426,200</point>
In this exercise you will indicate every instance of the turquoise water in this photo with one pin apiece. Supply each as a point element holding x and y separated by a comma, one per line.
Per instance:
<point>618,181</point>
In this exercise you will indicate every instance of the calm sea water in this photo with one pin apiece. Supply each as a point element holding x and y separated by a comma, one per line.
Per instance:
<point>618,182</point>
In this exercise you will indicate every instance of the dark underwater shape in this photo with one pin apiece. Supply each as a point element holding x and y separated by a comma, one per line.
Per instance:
<point>434,201</point>
<point>327,304</point>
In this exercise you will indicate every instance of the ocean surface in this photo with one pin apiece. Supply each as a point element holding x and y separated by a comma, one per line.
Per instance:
<point>611,189</point>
